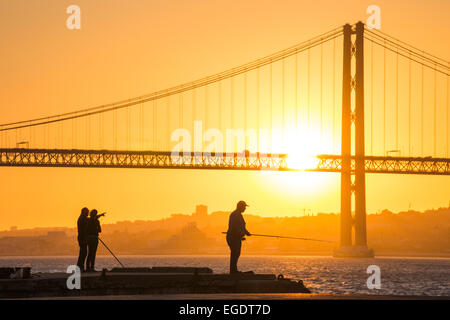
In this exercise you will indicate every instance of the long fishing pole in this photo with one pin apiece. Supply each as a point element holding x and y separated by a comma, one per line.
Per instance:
<point>111,252</point>
<point>283,237</point>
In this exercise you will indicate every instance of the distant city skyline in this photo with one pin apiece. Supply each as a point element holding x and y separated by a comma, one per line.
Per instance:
<point>403,233</point>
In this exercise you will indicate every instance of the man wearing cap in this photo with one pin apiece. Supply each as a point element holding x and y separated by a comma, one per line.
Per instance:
<point>236,232</point>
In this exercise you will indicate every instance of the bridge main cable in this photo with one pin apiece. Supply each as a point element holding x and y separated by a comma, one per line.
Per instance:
<point>400,48</point>
<point>406,46</point>
<point>318,40</point>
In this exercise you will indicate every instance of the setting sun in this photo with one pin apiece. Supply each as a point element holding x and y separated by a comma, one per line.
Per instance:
<point>300,161</point>
<point>304,147</point>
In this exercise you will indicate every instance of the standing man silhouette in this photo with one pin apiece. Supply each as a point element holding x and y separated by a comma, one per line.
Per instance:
<point>82,237</point>
<point>235,234</point>
<point>93,229</point>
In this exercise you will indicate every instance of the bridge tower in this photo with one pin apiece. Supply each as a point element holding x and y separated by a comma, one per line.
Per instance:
<point>353,116</point>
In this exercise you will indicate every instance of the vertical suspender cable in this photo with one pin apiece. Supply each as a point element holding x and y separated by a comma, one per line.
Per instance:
<point>155,131</point>
<point>99,130</point>
<point>194,111</point>
<point>29,135</point>
<point>371,98</point>
<point>421,127</point>
<point>128,128</point>
<point>257,108</point>
<point>115,129</point>
<point>296,93</point>
<point>89,131</point>
<point>76,132</point>
<point>206,105</point>
<point>435,112</point>
<point>384,98</point>
<point>86,132</point>
<point>396,102</point>
<point>232,103</point>
<point>103,130</point>
<point>409,108</point>
<point>220,106</point>
<point>447,119</point>
<point>245,108</point>
<point>321,93</point>
<point>334,95</point>
<point>180,111</point>
<point>61,127</point>
<point>48,135</point>
<point>61,131</point>
<point>308,93</point>
<point>282,101</point>
<point>271,109</point>
<point>142,126</point>
<point>73,134</point>
<point>168,122</point>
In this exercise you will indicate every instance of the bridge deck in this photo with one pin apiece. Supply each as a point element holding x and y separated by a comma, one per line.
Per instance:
<point>19,157</point>
<point>380,164</point>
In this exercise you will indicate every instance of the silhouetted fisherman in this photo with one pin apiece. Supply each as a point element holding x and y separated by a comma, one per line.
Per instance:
<point>93,229</point>
<point>235,234</point>
<point>82,238</point>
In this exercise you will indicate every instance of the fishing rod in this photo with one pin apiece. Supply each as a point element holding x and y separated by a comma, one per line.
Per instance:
<point>99,216</point>
<point>283,237</point>
<point>111,252</point>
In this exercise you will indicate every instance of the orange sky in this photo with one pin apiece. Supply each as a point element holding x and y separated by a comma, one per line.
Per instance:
<point>128,48</point>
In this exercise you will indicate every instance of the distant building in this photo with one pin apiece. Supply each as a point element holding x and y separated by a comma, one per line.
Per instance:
<point>178,215</point>
<point>13,228</point>
<point>201,211</point>
<point>189,240</point>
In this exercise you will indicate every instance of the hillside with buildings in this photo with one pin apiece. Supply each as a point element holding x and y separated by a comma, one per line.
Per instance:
<point>404,233</point>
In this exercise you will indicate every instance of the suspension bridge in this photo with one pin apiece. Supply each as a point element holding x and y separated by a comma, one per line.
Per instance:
<point>352,100</point>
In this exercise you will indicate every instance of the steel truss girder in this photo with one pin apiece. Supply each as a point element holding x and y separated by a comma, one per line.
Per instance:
<point>141,159</point>
<point>249,161</point>
<point>379,164</point>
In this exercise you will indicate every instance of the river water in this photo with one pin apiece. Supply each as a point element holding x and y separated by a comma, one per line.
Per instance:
<point>399,276</point>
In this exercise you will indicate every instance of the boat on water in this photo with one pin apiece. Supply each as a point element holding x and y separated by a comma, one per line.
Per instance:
<point>22,283</point>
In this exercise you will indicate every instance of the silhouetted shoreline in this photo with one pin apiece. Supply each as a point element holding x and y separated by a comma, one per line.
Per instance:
<point>403,234</point>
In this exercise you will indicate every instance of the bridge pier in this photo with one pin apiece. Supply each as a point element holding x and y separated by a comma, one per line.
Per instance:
<point>347,247</point>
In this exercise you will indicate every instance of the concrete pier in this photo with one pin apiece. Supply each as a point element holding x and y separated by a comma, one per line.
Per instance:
<point>146,283</point>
